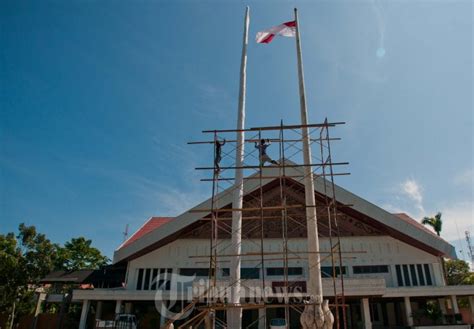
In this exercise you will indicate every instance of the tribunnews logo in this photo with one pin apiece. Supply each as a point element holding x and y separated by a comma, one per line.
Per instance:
<point>176,292</point>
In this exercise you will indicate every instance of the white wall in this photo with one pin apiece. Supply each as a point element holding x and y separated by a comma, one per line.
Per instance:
<point>379,250</point>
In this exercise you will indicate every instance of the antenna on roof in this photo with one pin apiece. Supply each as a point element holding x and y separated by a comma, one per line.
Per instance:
<point>125,233</point>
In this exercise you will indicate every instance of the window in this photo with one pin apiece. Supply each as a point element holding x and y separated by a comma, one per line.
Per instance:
<point>326,271</point>
<point>280,271</point>
<point>295,271</point>
<point>370,269</point>
<point>165,279</point>
<point>146,285</point>
<point>140,279</point>
<point>275,271</point>
<point>413,275</point>
<point>429,282</point>
<point>245,273</point>
<point>225,271</point>
<point>406,276</point>
<point>420,274</point>
<point>148,278</point>
<point>153,279</point>
<point>250,273</point>
<point>194,271</point>
<point>399,275</point>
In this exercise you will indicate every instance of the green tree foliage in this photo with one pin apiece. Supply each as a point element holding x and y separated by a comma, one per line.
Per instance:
<point>24,260</point>
<point>79,254</point>
<point>458,272</point>
<point>435,222</point>
<point>27,257</point>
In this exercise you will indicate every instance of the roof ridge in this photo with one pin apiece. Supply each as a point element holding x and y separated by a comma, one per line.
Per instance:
<point>136,233</point>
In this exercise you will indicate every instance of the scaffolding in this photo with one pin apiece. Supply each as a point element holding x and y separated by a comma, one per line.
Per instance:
<point>260,208</point>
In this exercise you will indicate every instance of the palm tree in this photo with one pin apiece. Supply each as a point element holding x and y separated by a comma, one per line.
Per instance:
<point>435,222</point>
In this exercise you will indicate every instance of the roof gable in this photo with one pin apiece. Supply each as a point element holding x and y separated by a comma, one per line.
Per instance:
<point>150,225</point>
<point>364,211</point>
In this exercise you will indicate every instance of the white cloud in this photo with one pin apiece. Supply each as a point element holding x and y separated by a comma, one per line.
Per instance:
<point>465,178</point>
<point>457,218</point>
<point>414,191</point>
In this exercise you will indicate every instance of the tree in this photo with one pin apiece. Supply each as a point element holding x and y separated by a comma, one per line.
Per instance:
<point>458,272</point>
<point>78,254</point>
<point>435,222</point>
<point>24,260</point>
<point>29,256</point>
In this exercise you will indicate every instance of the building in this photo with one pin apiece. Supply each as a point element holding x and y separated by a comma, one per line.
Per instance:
<point>392,269</point>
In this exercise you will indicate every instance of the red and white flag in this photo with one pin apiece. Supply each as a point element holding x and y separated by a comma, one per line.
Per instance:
<point>287,29</point>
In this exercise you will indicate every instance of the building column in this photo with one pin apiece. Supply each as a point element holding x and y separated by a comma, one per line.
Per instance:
<point>98,311</point>
<point>162,320</point>
<point>442,307</point>
<point>261,318</point>
<point>408,311</point>
<point>84,312</point>
<point>471,305</point>
<point>128,308</point>
<point>118,307</point>
<point>454,304</point>
<point>364,303</point>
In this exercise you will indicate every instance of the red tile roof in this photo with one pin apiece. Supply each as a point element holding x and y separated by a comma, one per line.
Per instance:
<point>150,225</point>
<point>414,222</point>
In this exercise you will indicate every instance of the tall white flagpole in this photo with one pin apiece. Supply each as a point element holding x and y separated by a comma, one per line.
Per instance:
<point>234,314</point>
<point>315,290</point>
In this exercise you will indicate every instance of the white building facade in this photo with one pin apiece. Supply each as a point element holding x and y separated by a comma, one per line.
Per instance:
<point>391,265</point>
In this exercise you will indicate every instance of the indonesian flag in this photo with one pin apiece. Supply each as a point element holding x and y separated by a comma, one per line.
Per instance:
<point>287,29</point>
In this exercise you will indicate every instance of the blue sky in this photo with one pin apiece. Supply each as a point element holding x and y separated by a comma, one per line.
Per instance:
<point>99,98</point>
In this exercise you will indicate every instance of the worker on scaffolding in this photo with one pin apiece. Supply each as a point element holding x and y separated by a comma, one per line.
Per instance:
<point>218,155</point>
<point>262,152</point>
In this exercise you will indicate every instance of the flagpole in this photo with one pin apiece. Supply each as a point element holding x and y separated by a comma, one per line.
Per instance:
<point>314,279</point>
<point>235,314</point>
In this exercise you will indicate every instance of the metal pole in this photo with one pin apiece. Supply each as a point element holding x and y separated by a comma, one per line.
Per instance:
<point>318,316</point>
<point>235,315</point>
<point>315,283</point>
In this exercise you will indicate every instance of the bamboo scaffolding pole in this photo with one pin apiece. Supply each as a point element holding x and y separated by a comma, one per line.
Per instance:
<point>278,253</point>
<point>273,140</point>
<point>276,166</point>
<point>271,259</point>
<point>313,125</point>
<point>272,177</point>
<point>219,307</point>
<point>269,208</point>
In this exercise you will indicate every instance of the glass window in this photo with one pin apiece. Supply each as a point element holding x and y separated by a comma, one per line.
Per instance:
<point>225,271</point>
<point>399,275</point>
<point>140,279</point>
<point>146,284</point>
<point>295,271</point>
<point>367,269</point>
<point>406,276</point>
<point>169,276</point>
<point>275,271</point>
<point>421,277</point>
<point>326,271</point>
<point>413,275</point>
<point>153,279</point>
<point>250,273</point>
<point>429,282</point>
<point>280,271</point>
<point>194,271</point>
